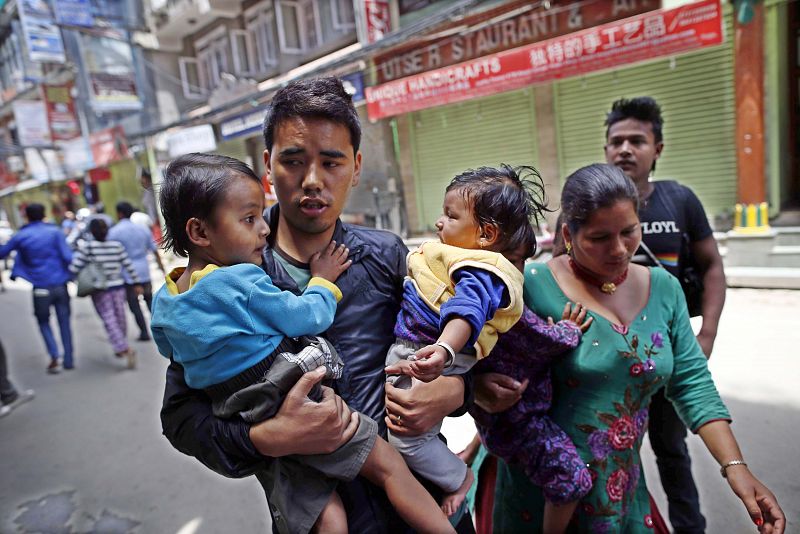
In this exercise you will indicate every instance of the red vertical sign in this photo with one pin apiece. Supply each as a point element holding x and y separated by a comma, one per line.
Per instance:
<point>61,112</point>
<point>379,19</point>
<point>108,146</point>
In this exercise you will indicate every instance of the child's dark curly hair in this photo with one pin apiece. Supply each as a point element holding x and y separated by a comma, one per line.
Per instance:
<point>512,198</point>
<point>192,187</point>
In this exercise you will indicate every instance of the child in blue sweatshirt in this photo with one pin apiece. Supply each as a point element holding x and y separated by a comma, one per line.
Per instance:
<point>246,342</point>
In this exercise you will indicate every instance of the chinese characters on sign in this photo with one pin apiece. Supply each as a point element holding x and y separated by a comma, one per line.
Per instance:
<point>374,20</point>
<point>639,38</point>
<point>502,28</point>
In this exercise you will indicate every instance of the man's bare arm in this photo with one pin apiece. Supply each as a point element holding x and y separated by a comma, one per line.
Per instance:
<point>709,260</point>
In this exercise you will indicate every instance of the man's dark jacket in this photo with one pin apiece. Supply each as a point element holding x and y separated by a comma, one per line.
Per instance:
<point>362,332</point>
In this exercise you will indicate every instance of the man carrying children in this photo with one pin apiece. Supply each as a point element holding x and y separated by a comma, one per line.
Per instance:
<point>312,137</point>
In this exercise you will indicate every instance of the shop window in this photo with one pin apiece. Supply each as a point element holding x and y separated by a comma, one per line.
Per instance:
<point>344,17</point>
<point>191,81</point>
<point>298,26</point>
<point>212,54</point>
<point>11,69</point>
<point>244,55</point>
<point>260,24</point>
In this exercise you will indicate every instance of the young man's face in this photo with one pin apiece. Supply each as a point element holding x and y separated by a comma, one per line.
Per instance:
<point>632,147</point>
<point>312,168</point>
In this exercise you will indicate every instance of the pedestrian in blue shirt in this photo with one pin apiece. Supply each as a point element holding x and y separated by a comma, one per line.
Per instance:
<point>137,241</point>
<point>43,259</point>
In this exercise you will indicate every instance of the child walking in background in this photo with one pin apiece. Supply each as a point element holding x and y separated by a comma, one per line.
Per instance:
<point>246,342</point>
<point>110,302</point>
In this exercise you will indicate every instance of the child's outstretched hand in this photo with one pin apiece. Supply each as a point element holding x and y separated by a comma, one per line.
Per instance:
<point>575,313</point>
<point>428,362</point>
<point>330,262</point>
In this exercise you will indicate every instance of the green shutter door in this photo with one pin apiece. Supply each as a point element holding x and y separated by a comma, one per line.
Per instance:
<point>696,94</point>
<point>450,139</point>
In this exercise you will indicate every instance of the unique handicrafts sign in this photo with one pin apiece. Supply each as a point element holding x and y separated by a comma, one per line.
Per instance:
<point>639,38</point>
<point>510,25</point>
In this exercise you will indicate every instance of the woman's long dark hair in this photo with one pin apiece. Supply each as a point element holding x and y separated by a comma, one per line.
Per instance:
<point>591,188</point>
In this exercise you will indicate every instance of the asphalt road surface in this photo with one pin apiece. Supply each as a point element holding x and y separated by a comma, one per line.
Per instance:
<point>87,454</point>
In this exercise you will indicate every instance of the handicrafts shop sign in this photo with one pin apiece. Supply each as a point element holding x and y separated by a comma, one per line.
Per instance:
<point>509,26</point>
<point>639,38</point>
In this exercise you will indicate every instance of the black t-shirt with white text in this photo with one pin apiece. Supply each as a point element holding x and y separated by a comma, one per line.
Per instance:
<point>670,211</point>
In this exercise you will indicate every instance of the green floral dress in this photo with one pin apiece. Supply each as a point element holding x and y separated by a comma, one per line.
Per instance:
<point>601,393</point>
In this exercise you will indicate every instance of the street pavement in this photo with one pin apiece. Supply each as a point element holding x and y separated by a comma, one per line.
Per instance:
<point>87,454</point>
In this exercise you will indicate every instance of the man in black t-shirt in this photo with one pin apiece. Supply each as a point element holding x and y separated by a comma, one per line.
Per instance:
<point>670,214</point>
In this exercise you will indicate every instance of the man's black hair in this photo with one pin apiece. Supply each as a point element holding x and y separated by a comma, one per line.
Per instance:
<point>98,229</point>
<point>124,209</point>
<point>34,212</point>
<point>315,98</point>
<point>510,197</point>
<point>641,108</point>
<point>192,187</point>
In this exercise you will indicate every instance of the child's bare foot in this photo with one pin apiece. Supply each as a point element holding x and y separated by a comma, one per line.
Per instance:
<point>452,501</point>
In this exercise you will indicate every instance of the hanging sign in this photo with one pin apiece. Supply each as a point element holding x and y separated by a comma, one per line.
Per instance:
<point>243,124</point>
<point>354,86</point>
<point>42,36</point>
<point>639,38</point>
<point>74,12</point>
<point>373,20</point>
<point>195,139</point>
<point>61,113</point>
<point>506,26</point>
<point>77,155</point>
<point>31,119</point>
<point>108,146</point>
<point>111,78</point>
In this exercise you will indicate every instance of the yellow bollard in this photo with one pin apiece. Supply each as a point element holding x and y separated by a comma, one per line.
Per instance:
<point>751,218</point>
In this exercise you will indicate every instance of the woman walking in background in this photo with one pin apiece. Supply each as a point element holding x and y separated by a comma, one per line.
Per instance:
<point>109,302</point>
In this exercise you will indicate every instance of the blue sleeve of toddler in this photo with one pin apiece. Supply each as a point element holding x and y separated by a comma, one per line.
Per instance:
<point>479,293</point>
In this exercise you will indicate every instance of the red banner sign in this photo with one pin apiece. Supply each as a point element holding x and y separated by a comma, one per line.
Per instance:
<point>377,19</point>
<point>507,26</point>
<point>61,112</point>
<point>639,38</point>
<point>108,146</point>
<point>7,178</point>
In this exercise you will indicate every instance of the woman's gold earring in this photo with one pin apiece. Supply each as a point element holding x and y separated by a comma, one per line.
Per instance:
<point>568,246</point>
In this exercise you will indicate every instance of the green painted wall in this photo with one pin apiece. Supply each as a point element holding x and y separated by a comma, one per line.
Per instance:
<point>123,185</point>
<point>776,100</point>
<point>696,94</point>
<point>484,132</point>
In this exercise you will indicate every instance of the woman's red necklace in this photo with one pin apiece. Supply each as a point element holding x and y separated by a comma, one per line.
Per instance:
<point>607,287</point>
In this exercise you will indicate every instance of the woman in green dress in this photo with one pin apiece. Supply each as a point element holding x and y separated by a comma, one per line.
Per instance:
<point>641,340</point>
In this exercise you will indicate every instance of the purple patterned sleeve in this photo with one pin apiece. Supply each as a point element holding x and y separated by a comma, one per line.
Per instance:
<point>524,434</point>
<point>550,340</point>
